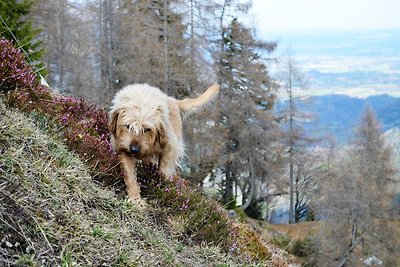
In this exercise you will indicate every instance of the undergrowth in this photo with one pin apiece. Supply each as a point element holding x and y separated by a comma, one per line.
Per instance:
<point>14,71</point>
<point>200,219</point>
<point>303,248</point>
<point>81,124</point>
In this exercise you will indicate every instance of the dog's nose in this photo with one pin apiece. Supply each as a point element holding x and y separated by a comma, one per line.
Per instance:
<point>134,149</point>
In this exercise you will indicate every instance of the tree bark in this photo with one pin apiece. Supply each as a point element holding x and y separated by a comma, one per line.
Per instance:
<point>250,196</point>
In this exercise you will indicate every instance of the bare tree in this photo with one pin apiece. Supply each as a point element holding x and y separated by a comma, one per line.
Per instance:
<point>151,46</point>
<point>307,168</point>
<point>107,41</point>
<point>296,138</point>
<point>69,36</point>
<point>207,25</point>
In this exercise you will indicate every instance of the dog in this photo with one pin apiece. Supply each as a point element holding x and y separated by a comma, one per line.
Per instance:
<point>146,125</point>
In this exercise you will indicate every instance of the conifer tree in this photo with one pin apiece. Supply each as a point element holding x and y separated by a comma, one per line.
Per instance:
<point>15,26</point>
<point>249,95</point>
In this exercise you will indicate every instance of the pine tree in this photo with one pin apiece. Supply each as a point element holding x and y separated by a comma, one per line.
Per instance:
<point>15,26</point>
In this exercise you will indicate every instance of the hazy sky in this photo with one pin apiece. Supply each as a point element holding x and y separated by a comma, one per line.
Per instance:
<point>305,15</point>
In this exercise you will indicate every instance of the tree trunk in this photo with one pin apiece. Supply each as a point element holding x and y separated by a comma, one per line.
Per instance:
<point>350,247</point>
<point>228,192</point>
<point>60,44</point>
<point>250,196</point>
<point>106,44</point>
<point>166,62</point>
<point>291,148</point>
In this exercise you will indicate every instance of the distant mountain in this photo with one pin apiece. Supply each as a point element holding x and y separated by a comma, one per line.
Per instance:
<point>339,114</point>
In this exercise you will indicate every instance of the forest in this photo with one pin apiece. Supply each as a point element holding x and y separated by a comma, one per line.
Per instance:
<point>241,150</point>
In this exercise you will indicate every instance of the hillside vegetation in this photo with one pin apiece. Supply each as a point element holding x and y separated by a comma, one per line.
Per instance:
<point>62,203</point>
<point>53,213</point>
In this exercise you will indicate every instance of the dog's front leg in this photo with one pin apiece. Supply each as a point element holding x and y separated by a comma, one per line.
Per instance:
<point>130,178</point>
<point>167,164</point>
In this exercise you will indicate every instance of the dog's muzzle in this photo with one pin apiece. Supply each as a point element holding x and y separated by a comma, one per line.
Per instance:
<point>134,150</point>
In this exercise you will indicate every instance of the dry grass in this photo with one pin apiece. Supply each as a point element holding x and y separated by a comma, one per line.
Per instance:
<point>52,213</point>
<point>297,231</point>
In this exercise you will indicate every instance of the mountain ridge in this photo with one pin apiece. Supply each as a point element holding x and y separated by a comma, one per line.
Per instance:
<point>338,114</point>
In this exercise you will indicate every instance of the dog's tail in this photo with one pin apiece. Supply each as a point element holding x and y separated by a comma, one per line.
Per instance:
<point>196,104</point>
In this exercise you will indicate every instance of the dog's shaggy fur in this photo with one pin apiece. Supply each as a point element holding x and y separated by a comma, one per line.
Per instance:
<point>146,125</point>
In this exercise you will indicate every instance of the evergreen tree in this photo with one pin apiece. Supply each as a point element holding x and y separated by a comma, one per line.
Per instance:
<point>15,26</point>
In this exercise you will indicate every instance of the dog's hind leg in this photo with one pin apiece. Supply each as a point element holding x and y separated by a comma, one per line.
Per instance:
<point>130,178</point>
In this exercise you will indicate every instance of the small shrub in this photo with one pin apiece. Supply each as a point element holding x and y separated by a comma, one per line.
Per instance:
<point>302,248</point>
<point>249,243</point>
<point>281,241</point>
<point>14,71</point>
<point>305,249</point>
<point>241,213</point>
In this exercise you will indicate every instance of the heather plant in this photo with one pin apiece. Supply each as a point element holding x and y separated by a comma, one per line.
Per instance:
<point>14,71</point>
<point>81,124</point>
<point>303,248</point>
<point>202,219</point>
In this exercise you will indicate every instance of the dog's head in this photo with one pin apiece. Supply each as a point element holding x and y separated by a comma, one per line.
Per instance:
<point>137,133</point>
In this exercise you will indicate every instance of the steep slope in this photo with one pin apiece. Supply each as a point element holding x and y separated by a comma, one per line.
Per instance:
<point>52,213</point>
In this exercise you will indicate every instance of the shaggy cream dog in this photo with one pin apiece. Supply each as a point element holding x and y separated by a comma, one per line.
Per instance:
<point>146,125</point>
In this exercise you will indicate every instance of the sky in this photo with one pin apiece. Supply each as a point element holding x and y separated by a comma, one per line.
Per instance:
<point>326,15</point>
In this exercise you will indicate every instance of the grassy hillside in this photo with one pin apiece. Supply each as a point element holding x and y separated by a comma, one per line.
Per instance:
<point>61,202</point>
<point>53,213</point>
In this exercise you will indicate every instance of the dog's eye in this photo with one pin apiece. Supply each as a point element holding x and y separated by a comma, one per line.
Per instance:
<point>146,130</point>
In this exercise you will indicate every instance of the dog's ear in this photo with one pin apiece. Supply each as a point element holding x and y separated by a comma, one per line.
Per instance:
<point>162,138</point>
<point>112,125</point>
